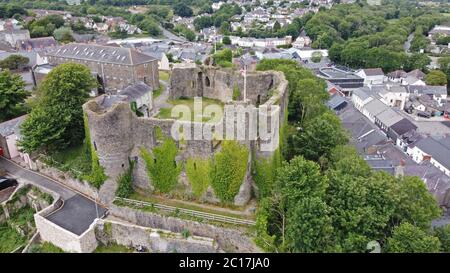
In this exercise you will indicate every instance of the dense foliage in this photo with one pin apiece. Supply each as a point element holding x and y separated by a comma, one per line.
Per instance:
<point>56,121</point>
<point>228,170</point>
<point>198,171</point>
<point>12,95</point>
<point>326,198</point>
<point>162,168</point>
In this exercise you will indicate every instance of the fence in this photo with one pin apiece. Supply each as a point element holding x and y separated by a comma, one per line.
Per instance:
<point>199,214</point>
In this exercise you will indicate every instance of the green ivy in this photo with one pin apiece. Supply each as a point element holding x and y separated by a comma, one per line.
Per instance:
<point>236,92</point>
<point>162,168</point>
<point>197,171</point>
<point>97,176</point>
<point>264,173</point>
<point>229,169</point>
<point>125,182</point>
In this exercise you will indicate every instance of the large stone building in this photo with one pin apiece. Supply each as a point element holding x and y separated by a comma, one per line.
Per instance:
<point>115,67</point>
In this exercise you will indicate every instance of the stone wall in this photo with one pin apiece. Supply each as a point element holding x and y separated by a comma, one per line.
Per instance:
<point>61,237</point>
<point>216,83</point>
<point>228,239</point>
<point>155,240</point>
<point>118,134</point>
<point>62,177</point>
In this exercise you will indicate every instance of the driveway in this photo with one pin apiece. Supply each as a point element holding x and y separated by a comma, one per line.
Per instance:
<point>77,213</point>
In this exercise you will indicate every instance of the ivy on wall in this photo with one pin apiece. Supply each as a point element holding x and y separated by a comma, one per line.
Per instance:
<point>236,92</point>
<point>197,171</point>
<point>97,176</point>
<point>161,166</point>
<point>264,173</point>
<point>229,169</point>
<point>125,182</point>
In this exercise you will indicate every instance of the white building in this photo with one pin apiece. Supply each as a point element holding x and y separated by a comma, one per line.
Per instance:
<point>371,76</point>
<point>437,151</point>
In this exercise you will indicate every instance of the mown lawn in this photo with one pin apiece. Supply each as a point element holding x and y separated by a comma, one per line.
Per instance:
<point>166,113</point>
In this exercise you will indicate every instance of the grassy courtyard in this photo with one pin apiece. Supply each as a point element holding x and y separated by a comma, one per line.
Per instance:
<point>166,113</point>
<point>164,76</point>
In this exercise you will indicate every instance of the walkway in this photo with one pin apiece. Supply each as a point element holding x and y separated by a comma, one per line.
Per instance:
<point>78,211</point>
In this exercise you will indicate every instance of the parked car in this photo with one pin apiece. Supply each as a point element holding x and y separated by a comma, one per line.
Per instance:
<point>424,114</point>
<point>6,182</point>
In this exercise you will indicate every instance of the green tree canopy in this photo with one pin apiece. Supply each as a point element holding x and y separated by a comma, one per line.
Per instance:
<point>407,238</point>
<point>56,122</point>
<point>436,77</point>
<point>12,95</point>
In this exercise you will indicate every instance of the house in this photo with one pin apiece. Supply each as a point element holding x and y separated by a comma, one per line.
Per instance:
<point>438,93</point>
<point>160,55</point>
<point>373,108</point>
<point>397,75</point>
<point>403,132</point>
<point>36,44</point>
<point>140,97</point>
<point>360,98</point>
<point>301,42</point>
<point>371,76</point>
<point>435,150</point>
<point>9,131</point>
<point>14,35</point>
<point>386,119</point>
<point>336,102</point>
<point>394,96</point>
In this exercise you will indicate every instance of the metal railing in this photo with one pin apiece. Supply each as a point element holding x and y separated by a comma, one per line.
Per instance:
<point>194,213</point>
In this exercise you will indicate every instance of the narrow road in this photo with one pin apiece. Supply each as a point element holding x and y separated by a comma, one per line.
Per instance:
<point>407,44</point>
<point>77,213</point>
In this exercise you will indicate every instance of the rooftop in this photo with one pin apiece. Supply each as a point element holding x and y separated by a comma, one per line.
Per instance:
<point>100,53</point>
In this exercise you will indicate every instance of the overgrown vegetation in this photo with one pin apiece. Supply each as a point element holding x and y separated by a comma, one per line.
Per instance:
<point>326,198</point>
<point>45,247</point>
<point>125,182</point>
<point>162,168</point>
<point>228,170</point>
<point>198,171</point>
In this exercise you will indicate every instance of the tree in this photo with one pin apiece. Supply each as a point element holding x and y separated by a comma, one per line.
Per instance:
<point>318,137</point>
<point>316,57</point>
<point>436,77</point>
<point>150,26</point>
<point>443,233</point>
<point>14,62</point>
<point>63,34</point>
<point>407,238</point>
<point>12,95</point>
<point>182,10</point>
<point>226,40</point>
<point>415,205</point>
<point>56,122</point>
<point>309,228</point>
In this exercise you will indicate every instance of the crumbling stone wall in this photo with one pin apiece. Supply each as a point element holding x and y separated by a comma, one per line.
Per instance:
<point>216,83</point>
<point>155,240</point>
<point>118,134</point>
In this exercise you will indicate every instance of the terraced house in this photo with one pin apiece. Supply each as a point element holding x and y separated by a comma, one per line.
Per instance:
<point>115,68</point>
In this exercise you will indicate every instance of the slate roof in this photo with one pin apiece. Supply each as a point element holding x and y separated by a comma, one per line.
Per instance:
<point>136,90</point>
<point>36,43</point>
<point>389,117</point>
<point>438,149</point>
<point>375,107</point>
<point>9,127</point>
<point>403,126</point>
<point>397,74</point>
<point>416,73</point>
<point>361,93</point>
<point>335,101</point>
<point>100,53</point>
<point>428,89</point>
<point>373,72</point>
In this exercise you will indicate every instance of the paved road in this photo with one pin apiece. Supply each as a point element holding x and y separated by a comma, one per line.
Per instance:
<point>77,213</point>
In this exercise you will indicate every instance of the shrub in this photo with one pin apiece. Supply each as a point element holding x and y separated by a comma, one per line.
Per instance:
<point>197,171</point>
<point>161,165</point>
<point>125,182</point>
<point>229,169</point>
